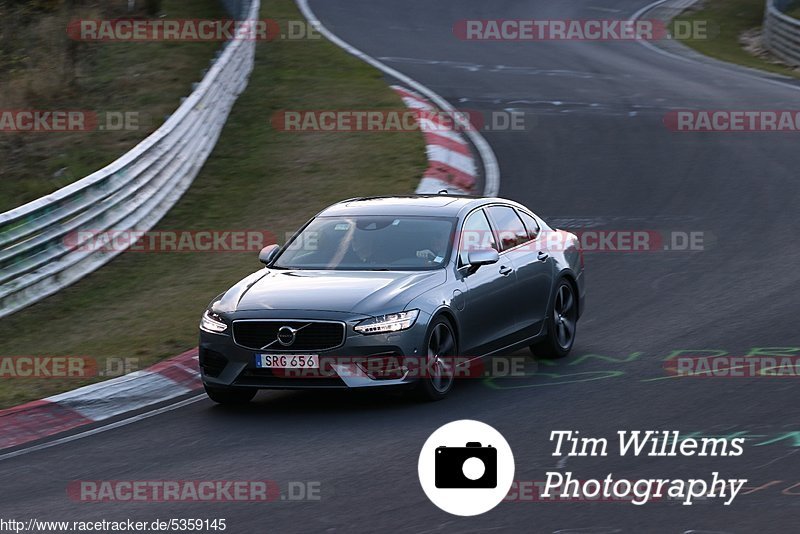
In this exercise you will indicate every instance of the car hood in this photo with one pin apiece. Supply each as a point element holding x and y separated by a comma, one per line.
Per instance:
<point>361,292</point>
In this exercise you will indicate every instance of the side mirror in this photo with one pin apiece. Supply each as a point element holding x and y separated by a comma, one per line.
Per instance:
<point>476,258</point>
<point>268,254</point>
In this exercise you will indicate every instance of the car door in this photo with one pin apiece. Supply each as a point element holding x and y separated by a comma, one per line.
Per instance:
<point>486,318</point>
<point>518,233</point>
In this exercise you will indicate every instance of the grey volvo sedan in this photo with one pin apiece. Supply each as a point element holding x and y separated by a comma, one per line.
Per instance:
<point>394,291</point>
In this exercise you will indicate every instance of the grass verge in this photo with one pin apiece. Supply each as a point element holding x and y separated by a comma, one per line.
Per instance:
<point>734,18</point>
<point>41,68</point>
<point>146,306</point>
<point>794,11</point>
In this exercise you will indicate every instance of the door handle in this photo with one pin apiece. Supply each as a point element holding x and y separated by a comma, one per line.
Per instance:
<point>505,270</point>
<point>543,256</point>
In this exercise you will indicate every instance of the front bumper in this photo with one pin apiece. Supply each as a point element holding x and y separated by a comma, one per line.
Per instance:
<point>225,363</point>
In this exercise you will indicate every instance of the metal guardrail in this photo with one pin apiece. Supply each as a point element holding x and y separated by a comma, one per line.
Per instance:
<point>131,194</point>
<point>781,32</point>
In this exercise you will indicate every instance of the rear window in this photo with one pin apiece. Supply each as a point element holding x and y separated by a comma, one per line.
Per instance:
<point>509,226</point>
<point>531,225</point>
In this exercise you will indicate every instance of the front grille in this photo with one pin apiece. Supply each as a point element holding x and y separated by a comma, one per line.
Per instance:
<point>310,336</point>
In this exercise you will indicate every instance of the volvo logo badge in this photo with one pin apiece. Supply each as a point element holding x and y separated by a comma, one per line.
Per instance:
<point>287,335</point>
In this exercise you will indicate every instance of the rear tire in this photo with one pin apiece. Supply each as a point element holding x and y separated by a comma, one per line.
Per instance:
<point>441,350</point>
<point>561,324</point>
<point>223,395</point>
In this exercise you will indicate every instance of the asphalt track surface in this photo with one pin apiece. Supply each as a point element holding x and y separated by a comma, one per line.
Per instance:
<point>595,152</point>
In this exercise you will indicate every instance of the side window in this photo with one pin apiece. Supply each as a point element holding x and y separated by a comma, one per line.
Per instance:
<point>476,234</point>
<point>509,226</point>
<point>530,224</point>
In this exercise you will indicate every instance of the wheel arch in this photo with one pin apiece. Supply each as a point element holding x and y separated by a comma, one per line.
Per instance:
<point>570,277</point>
<point>448,314</point>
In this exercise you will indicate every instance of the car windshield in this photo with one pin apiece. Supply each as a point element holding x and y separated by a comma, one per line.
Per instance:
<point>370,242</point>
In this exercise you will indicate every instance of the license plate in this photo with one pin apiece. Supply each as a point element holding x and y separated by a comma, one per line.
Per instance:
<point>287,361</point>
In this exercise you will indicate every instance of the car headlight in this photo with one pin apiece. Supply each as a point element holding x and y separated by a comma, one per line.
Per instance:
<point>391,322</point>
<point>211,322</point>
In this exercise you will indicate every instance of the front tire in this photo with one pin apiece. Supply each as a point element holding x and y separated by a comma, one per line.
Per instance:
<point>562,322</point>
<point>441,349</point>
<point>223,395</point>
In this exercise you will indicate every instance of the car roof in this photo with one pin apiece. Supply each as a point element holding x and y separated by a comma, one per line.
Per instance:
<point>441,205</point>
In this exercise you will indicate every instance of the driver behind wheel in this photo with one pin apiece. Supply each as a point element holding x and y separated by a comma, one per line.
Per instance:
<point>436,248</point>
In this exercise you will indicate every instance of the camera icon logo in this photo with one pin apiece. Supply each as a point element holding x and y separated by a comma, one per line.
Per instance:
<point>466,467</point>
<point>472,466</point>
